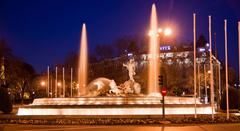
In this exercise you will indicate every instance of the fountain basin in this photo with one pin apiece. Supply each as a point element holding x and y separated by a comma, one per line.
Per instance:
<point>141,105</point>
<point>114,100</point>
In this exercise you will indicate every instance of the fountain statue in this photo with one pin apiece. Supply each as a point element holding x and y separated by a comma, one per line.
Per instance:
<point>107,87</point>
<point>131,66</point>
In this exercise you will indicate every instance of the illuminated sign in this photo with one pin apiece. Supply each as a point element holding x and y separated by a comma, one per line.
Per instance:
<point>201,49</point>
<point>165,48</point>
<point>130,54</point>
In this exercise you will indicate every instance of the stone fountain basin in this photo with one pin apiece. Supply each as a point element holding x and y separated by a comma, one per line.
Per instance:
<point>137,105</point>
<point>144,100</point>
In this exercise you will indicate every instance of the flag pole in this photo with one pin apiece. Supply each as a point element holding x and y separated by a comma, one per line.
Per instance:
<point>195,81</point>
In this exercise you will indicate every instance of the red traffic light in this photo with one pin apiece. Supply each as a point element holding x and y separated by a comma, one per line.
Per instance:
<point>164,91</point>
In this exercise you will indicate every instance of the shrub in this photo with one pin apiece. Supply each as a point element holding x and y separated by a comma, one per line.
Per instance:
<point>233,99</point>
<point>177,91</point>
<point>5,103</point>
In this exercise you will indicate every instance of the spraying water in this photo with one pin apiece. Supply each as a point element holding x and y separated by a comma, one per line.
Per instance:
<point>83,63</point>
<point>153,69</point>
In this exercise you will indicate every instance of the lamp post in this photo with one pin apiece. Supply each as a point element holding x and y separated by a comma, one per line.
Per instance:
<point>205,84</point>
<point>51,87</point>
<point>56,91</point>
<point>199,81</point>
<point>59,84</point>
<point>63,82</point>
<point>43,84</point>
<point>48,81</point>
<point>71,94</point>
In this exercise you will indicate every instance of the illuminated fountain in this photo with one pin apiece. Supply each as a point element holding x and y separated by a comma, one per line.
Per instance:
<point>153,68</point>
<point>103,96</point>
<point>83,63</point>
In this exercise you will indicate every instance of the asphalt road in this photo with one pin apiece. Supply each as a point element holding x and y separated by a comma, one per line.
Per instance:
<point>215,127</point>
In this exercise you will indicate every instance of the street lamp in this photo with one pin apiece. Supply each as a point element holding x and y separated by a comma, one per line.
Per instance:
<point>59,84</point>
<point>43,83</point>
<point>209,71</point>
<point>167,32</point>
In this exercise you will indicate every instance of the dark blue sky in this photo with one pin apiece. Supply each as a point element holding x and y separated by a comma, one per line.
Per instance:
<point>43,32</point>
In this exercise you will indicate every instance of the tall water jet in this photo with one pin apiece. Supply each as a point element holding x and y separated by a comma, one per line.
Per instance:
<point>83,63</point>
<point>153,67</point>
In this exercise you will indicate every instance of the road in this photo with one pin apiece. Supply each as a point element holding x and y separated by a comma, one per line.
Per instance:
<point>215,127</point>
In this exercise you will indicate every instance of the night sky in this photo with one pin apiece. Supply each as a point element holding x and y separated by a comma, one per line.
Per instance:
<point>43,32</point>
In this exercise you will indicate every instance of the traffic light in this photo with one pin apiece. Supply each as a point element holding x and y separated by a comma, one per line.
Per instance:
<point>160,80</point>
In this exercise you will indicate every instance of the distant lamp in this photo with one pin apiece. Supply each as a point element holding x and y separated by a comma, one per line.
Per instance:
<point>59,84</point>
<point>43,83</point>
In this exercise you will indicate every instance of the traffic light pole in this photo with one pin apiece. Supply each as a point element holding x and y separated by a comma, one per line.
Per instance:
<point>164,92</point>
<point>163,106</point>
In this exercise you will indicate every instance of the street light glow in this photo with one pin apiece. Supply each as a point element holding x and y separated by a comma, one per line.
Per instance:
<point>160,30</point>
<point>43,83</point>
<point>58,84</point>
<point>167,31</point>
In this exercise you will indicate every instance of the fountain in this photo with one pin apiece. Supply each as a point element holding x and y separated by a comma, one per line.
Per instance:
<point>153,52</point>
<point>83,63</point>
<point>103,96</point>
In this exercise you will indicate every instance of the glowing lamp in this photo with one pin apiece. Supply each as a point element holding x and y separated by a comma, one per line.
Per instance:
<point>43,83</point>
<point>167,32</point>
<point>58,84</point>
